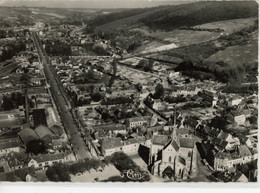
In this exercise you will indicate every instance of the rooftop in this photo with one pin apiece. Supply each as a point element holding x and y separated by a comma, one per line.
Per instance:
<point>160,140</point>
<point>7,145</point>
<point>49,157</point>
<point>109,143</point>
<point>187,142</point>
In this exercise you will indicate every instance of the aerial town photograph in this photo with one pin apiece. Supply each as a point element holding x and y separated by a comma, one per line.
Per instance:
<point>128,91</point>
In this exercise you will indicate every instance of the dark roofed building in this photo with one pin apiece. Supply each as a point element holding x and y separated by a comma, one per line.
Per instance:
<point>39,117</point>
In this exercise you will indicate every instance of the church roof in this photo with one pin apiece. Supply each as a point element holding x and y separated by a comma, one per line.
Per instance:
<point>186,142</point>
<point>160,139</point>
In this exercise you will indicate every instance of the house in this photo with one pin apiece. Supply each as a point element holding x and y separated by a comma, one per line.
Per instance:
<point>208,98</point>
<point>110,145</point>
<point>131,146</point>
<point>225,160</point>
<point>46,160</point>
<point>137,122</point>
<point>8,147</point>
<point>191,123</point>
<point>16,160</point>
<point>159,105</point>
<point>233,101</point>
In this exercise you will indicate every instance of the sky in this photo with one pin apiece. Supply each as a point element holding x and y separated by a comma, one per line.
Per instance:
<point>91,3</point>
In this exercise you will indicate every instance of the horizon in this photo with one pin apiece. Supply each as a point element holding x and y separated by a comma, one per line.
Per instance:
<point>91,4</point>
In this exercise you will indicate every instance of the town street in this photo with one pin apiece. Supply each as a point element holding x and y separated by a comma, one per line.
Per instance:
<point>77,143</point>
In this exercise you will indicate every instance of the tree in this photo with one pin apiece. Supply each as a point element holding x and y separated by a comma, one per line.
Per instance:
<point>7,103</point>
<point>58,173</point>
<point>159,91</point>
<point>97,97</point>
<point>36,146</point>
<point>99,50</point>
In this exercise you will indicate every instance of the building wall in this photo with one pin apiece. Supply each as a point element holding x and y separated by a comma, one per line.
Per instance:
<point>131,148</point>
<point>110,151</point>
<point>43,164</point>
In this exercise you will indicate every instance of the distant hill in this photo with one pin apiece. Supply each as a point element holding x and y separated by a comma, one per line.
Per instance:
<point>200,13</point>
<point>174,16</point>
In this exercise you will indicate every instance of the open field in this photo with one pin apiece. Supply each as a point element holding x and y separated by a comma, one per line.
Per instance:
<point>185,37</point>
<point>238,54</point>
<point>229,26</point>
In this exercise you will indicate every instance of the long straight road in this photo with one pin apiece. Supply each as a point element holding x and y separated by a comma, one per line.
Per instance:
<point>78,145</point>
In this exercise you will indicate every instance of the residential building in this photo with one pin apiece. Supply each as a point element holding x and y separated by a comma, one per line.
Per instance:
<point>8,147</point>
<point>46,160</point>
<point>225,160</point>
<point>236,100</point>
<point>137,122</point>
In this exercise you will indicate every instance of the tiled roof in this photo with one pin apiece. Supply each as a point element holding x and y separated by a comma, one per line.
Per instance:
<point>244,151</point>
<point>43,131</point>
<point>49,157</point>
<point>183,131</point>
<point>27,135</point>
<point>136,119</point>
<point>187,142</point>
<point>16,159</point>
<point>223,135</point>
<point>109,143</point>
<point>160,139</point>
<point>7,145</point>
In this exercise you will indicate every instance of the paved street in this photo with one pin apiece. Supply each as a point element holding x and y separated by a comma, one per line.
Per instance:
<point>78,145</point>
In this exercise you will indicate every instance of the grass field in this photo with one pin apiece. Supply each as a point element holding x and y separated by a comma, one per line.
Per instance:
<point>229,26</point>
<point>238,54</point>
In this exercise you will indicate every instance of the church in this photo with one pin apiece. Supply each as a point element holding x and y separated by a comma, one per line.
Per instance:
<point>173,155</point>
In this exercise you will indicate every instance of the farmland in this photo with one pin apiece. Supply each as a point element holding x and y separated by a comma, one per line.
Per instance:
<point>184,37</point>
<point>233,55</point>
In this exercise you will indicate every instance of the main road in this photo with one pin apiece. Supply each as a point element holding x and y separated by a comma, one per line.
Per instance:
<point>77,143</point>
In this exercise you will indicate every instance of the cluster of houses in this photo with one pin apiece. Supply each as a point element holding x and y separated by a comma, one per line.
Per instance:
<point>224,151</point>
